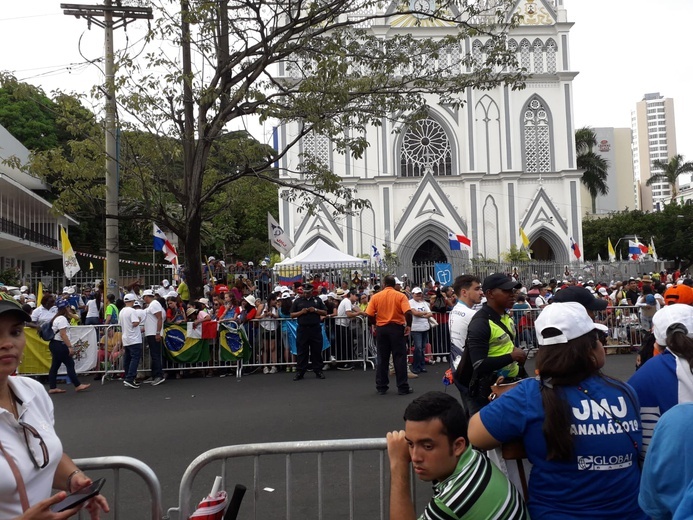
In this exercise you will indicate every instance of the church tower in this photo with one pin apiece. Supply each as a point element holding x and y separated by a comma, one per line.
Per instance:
<point>505,160</point>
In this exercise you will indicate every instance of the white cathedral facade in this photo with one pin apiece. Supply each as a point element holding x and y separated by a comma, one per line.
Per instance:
<point>505,160</point>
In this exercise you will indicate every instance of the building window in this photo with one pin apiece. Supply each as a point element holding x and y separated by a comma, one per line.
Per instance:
<point>551,56</point>
<point>538,56</point>
<point>524,55</point>
<point>317,147</point>
<point>537,137</point>
<point>425,149</point>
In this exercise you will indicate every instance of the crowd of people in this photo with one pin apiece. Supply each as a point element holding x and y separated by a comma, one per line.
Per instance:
<point>586,439</point>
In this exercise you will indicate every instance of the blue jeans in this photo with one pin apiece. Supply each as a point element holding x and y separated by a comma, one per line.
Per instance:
<point>133,353</point>
<point>420,338</point>
<point>61,356</point>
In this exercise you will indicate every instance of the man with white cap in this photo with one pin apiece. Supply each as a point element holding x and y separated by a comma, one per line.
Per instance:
<point>129,321</point>
<point>164,289</point>
<point>153,326</point>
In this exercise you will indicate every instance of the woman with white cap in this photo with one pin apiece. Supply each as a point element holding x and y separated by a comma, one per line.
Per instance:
<point>666,379</point>
<point>581,429</point>
<point>62,350</point>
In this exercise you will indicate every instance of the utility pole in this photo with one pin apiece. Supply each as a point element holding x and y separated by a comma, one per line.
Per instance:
<point>113,17</point>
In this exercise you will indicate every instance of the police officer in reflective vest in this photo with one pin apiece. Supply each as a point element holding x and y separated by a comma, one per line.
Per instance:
<point>490,351</point>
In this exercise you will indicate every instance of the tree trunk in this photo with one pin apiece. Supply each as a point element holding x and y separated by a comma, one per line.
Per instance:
<point>193,258</point>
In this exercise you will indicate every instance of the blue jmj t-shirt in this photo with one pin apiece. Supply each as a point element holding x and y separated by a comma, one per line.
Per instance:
<point>602,479</point>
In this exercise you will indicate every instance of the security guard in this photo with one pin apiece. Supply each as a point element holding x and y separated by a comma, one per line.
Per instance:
<point>490,351</point>
<point>308,310</point>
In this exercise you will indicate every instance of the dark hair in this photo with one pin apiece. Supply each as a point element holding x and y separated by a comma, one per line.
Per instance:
<point>46,298</point>
<point>111,298</point>
<point>520,298</point>
<point>679,342</point>
<point>566,365</point>
<point>438,405</point>
<point>464,281</point>
<point>389,281</point>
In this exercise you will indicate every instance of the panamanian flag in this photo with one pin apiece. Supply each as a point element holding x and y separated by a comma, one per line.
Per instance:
<point>161,243</point>
<point>457,241</point>
<point>575,247</point>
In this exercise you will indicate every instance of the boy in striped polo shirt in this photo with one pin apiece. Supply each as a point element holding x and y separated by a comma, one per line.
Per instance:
<point>467,485</point>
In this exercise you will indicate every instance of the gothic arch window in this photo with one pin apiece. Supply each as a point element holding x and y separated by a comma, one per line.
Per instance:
<point>551,49</point>
<point>524,55</point>
<point>491,234</point>
<point>477,55</point>
<point>536,134</point>
<point>512,46</point>
<point>367,235</point>
<point>317,146</point>
<point>538,48</point>
<point>425,148</point>
<point>488,135</point>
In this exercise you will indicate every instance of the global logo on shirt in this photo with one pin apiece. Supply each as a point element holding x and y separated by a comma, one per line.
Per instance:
<point>604,462</point>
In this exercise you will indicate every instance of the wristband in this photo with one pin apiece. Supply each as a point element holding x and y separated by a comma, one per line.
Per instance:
<point>69,479</point>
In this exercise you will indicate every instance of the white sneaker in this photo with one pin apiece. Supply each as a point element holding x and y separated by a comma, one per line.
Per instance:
<point>265,370</point>
<point>273,370</point>
<point>326,366</point>
<point>445,359</point>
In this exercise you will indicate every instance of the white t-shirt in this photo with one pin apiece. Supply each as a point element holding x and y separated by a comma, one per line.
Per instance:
<point>460,316</point>
<point>129,321</point>
<point>59,324</point>
<point>37,410</point>
<point>540,302</point>
<point>150,318</point>
<point>343,320</point>
<point>92,309</point>
<point>41,315</point>
<point>419,324</point>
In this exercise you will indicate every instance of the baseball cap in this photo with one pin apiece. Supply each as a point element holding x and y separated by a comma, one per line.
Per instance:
<point>398,281</point>
<point>250,263</point>
<point>307,286</point>
<point>499,281</point>
<point>61,304</point>
<point>679,294</point>
<point>603,291</point>
<point>137,303</point>
<point>23,288</point>
<point>669,315</point>
<point>211,259</point>
<point>263,263</point>
<point>165,283</point>
<point>129,297</point>
<point>9,304</point>
<point>172,294</point>
<point>581,296</point>
<point>536,282</point>
<point>650,299</point>
<point>416,290</point>
<point>147,292</point>
<point>285,296</point>
<point>570,318</point>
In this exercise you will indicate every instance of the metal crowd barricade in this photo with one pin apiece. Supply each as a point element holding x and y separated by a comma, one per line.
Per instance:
<point>115,464</point>
<point>290,450</point>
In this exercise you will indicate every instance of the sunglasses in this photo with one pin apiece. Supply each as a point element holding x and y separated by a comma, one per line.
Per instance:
<point>30,430</point>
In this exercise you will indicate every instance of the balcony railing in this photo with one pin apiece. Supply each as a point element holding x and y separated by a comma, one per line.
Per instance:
<point>9,227</point>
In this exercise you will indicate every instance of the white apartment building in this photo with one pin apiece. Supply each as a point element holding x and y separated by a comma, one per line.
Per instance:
<point>654,137</point>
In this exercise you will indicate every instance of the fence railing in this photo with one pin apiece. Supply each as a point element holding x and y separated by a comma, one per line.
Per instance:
<point>297,483</point>
<point>272,343</point>
<point>116,464</point>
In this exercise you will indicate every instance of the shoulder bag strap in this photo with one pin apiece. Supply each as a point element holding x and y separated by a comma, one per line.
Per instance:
<point>21,488</point>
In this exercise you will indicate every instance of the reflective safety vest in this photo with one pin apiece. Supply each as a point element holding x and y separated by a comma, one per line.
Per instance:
<point>501,343</point>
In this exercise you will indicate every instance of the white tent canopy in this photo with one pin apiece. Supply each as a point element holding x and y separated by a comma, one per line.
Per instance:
<point>321,253</point>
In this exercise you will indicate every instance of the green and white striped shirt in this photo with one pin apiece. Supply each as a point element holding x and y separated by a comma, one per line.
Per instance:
<point>476,490</point>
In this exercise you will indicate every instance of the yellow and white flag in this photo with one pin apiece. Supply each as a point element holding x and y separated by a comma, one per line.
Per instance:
<point>70,263</point>
<point>525,242</point>
<point>652,251</point>
<point>612,253</point>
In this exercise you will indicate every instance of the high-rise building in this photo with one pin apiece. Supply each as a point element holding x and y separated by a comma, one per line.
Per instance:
<point>654,137</point>
<point>614,145</point>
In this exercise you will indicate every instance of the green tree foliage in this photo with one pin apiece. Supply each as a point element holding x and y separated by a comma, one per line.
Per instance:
<point>669,172</point>
<point>595,167</point>
<point>515,254</point>
<point>671,229</point>
<point>318,64</point>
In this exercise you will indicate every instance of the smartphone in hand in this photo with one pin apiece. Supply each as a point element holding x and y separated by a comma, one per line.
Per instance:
<point>79,497</point>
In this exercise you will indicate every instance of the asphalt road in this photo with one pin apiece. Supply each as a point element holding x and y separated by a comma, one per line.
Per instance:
<point>167,426</point>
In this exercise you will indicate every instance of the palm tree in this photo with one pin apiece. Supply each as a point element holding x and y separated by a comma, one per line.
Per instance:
<point>670,171</point>
<point>595,167</point>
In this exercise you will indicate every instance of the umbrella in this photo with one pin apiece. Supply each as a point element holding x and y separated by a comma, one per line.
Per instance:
<point>212,507</point>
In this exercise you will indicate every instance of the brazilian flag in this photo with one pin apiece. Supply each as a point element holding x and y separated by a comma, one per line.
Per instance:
<point>181,349</point>
<point>233,342</point>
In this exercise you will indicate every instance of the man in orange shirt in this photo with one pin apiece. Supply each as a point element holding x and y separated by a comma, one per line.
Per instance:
<point>390,312</point>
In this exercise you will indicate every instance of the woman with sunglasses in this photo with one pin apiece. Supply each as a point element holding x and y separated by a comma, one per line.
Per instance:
<point>581,430</point>
<point>32,462</point>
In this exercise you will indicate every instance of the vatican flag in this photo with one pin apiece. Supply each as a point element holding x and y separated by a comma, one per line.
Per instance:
<point>525,240</point>
<point>612,253</point>
<point>70,263</point>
